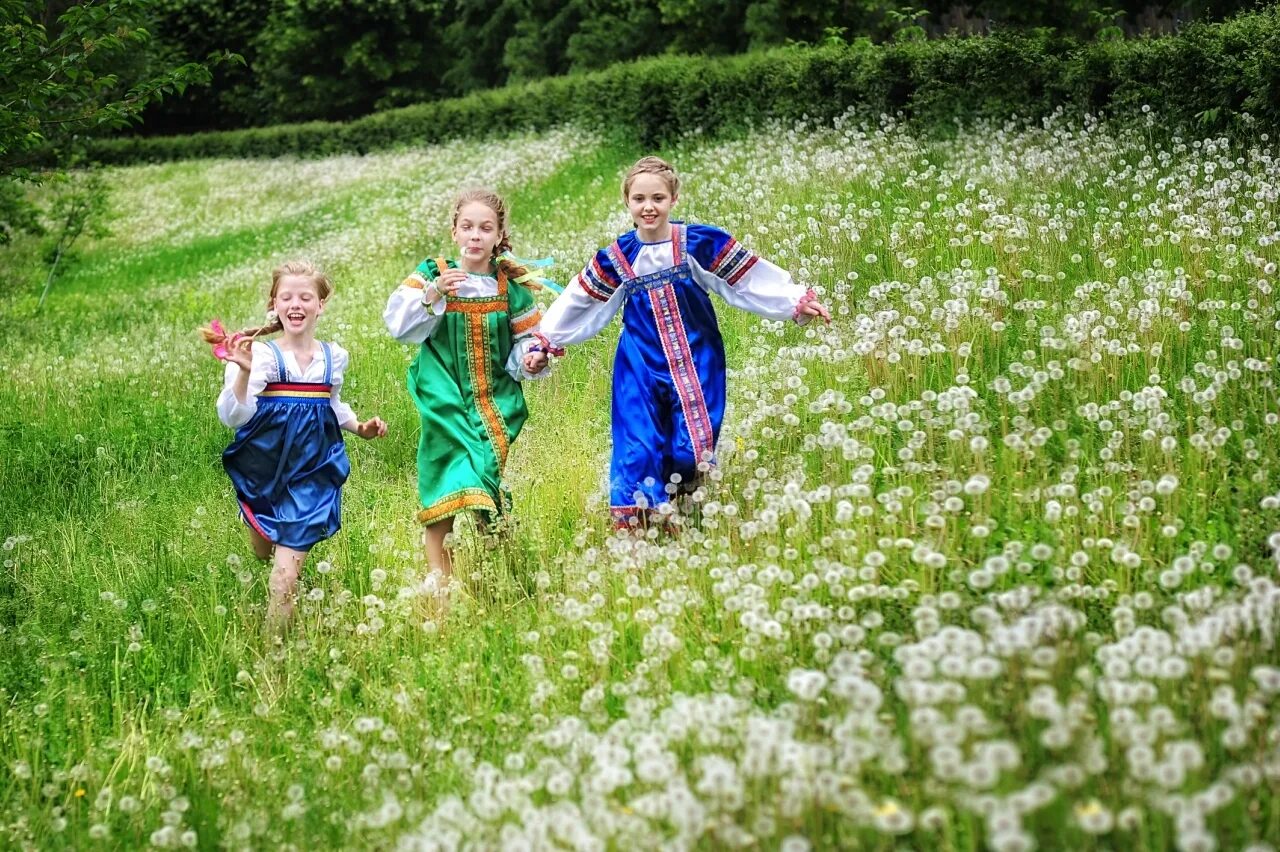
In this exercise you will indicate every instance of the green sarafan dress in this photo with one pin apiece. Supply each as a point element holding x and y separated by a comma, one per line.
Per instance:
<point>465,384</point>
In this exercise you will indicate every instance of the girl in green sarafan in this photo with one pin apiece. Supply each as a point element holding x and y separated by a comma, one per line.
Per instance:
<point>476,323</point>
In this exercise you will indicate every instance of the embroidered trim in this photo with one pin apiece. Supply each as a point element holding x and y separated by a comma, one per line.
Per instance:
<point>620,262</point>
<point>596,281</point>
<point>733,262</point>
<point>585,283</point>
<point>459,501</point>
<point>482,388</point>
<point>675,345</point>
<point>303,387</point>
<point>294,395</point>
<point>545,345</point>
<point>415,281</point>
<point>654,280</point>
<point>299,390</point>
<point>526,321</point>
<point>479,306</point>
<point>809,296</point>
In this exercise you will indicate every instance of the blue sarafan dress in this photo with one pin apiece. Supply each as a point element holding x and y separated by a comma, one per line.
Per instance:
<point>669,371</point>
<point>288,462</point>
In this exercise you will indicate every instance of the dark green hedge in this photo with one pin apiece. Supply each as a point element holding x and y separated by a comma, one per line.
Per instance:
<point>1207,77</point>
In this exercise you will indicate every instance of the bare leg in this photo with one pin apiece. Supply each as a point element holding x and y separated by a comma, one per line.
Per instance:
<point>261,547</point>
<point>438,556</point>
<point>434,604</point>
<point>284,585</point>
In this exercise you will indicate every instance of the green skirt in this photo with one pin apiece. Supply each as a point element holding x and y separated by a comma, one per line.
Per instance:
<point>471,410</point>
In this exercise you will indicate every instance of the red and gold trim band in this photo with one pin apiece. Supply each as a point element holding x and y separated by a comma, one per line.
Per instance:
<point>488,306</point>
<point>454,504</point>
<point>303,390</point>
<point>482,388</point>
<point>522,324</point>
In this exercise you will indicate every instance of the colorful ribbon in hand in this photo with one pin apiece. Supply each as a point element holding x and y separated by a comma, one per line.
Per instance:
<point>225,343</point>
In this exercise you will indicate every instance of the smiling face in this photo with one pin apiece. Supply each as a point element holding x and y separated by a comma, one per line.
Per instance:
<point>298,304</point>
<point>476,232</point>
<point>649,200</point>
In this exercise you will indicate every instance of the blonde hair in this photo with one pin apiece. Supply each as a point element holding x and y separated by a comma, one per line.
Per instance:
<point>304,268</point>
<point>652,166</point>
<point>494,202</point>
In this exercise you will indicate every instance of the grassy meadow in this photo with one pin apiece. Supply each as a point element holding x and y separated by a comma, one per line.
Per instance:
<point>989,562</point>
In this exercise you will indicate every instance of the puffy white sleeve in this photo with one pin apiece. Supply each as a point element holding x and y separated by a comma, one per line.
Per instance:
<point>579,314</point>
<point>232,412</point>
<point>409,318</point>
<point>763,289</point>
<point>515,361</point>
<point>345,414</point>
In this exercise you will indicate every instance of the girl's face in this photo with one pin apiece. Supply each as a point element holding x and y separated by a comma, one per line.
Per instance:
<point>298,304</point>
<point>649,201</point>
<point>476,234</point>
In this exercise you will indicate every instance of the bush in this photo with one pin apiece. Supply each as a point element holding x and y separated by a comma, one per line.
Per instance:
<point>1210,75</point>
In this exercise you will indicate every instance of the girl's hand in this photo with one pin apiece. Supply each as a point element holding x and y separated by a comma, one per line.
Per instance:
<point>814,308</point>
<point>535,362</point>
<point>449,280</point>
<point>371,428</point>
<point>240,351</point>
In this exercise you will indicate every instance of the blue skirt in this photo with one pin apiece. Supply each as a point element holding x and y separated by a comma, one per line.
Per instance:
<point>288,465</point>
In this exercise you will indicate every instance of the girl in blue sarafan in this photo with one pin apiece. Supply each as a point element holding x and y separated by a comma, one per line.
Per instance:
<point>287,462</point>
<point>669,372</point>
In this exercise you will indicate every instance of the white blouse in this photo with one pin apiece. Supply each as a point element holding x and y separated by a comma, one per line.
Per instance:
<point>765,289</point>
<point>411,320</point>
<point>234,413</point>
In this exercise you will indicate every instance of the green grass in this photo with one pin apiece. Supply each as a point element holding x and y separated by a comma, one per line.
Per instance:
<point>139,702</point>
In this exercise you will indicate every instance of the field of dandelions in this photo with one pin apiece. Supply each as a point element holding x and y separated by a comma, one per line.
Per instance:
<point>989,562</point>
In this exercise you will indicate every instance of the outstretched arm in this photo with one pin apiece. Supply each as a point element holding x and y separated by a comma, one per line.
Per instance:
<point>374,427</point>
<point>745,280</point>
<point>584,308</point>
<point>347,419</point>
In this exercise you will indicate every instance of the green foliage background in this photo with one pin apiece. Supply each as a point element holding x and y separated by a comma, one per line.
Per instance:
<point>330,59</point>
<point>1207,77</point>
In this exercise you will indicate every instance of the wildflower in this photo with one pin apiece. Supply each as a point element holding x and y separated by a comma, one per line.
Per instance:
<point>1093,818</point>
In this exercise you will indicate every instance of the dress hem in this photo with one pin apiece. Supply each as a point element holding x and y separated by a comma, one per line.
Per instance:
<point>457,503</point>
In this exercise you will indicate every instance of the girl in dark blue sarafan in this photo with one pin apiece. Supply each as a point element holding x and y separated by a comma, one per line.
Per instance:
<point>669,371</point>
<point>287,461</point>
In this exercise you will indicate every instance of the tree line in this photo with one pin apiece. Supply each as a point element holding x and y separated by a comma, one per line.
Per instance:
<point>339,59</point>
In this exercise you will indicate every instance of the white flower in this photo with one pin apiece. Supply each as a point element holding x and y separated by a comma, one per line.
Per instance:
<point>806,684</point>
